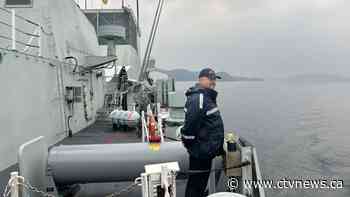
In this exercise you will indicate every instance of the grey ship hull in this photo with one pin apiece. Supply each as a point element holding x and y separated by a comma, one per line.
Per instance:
<point>34,75</point>
<point>37,79</point>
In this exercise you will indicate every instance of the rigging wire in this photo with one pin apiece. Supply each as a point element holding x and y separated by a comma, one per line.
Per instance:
<point>151,47</point>
<point>150,42</point>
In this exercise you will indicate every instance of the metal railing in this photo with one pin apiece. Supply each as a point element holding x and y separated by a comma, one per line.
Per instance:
<point>144,124</point>
<point>14,30</point>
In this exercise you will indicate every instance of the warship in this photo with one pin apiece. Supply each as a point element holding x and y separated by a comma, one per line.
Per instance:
<point>69,129</point>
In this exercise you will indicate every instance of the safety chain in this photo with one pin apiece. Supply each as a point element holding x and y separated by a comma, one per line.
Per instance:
<point>36,190</point>
<point>22,182</point>
<point>127,189</point>
<point>31,188</point>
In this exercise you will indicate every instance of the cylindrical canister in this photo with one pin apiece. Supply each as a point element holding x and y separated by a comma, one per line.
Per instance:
<point>110,162</point>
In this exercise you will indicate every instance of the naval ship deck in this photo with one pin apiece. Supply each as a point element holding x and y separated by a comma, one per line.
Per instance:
<point>101,132</point>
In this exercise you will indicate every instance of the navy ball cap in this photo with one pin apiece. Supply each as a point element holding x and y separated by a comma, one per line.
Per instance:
<point>209,73</point>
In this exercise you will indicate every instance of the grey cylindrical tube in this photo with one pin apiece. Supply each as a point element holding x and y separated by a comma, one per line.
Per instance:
<point>110,162</point>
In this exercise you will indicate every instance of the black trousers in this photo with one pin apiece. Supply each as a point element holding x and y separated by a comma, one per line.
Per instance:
<point>197,183</point>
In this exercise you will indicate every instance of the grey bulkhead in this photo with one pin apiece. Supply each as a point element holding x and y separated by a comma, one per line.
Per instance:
<point>33,88</point>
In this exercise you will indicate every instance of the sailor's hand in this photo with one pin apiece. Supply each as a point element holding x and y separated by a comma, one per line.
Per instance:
<point>187,142</point>
<point>221,152</point>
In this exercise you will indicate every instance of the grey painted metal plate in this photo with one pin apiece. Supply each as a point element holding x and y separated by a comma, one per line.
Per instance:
<point>32,159</point>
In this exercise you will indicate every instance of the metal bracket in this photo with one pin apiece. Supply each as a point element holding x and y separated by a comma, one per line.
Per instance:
<point>159,180</point>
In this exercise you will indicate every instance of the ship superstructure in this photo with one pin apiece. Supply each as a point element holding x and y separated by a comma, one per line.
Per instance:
<point>118,35</point>
<point>49,84</point>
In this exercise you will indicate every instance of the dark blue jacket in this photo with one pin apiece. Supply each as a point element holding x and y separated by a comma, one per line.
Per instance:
<point>203,131</point>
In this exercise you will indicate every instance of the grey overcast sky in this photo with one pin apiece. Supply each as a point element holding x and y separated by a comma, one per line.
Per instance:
<point>269,38</point>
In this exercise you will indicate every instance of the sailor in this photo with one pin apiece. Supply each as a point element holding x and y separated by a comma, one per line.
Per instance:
<point>203,131</point>
<point>122,87</point>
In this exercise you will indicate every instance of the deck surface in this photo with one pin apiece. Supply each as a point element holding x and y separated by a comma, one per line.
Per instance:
<point>101,132</point>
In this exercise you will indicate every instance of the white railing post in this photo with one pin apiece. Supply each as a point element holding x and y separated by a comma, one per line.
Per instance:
<point>13,19</point>
<point>143,125</point>
<point>14,184</point>
<point>39,40</point>
<point>160,123</point>
<point>161,133</point>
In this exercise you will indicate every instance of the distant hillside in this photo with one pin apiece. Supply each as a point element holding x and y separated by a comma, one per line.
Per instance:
<point>319,78</point>
<point>186,75</point>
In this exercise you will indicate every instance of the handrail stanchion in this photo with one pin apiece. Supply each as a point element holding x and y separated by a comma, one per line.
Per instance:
<point>39,41</point>
<point>13,19</point>
<point>144,127</point>
<point>12,36</point>
<point>14,184</point>
<point>160,124</point>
